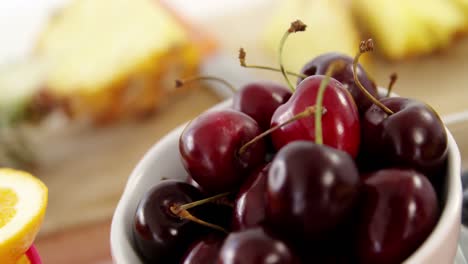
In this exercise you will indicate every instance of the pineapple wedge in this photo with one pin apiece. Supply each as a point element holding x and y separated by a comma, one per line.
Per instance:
<point>410,28</point>
<point>109,59</point>
<point>330,27</point>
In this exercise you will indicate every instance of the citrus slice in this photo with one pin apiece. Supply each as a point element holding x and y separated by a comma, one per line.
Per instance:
<point>23,202</point>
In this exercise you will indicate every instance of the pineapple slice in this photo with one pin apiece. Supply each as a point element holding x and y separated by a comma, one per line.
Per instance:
<point>113,58</point>
<point>410,28</point>
<point>330,27</point>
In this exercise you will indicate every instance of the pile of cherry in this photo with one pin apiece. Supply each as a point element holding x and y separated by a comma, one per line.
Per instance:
<point>332,172</point>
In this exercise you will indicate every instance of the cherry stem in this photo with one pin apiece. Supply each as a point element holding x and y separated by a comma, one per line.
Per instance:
<point>295,27</point>
<point>366,46</point>
<point>184,214</point>
<point>307,112</point>
<point>334,66</point>
<point>224,201</point>
<point>243,63</point>
<point>393,79</point>
<point>180,83</point>
<point>203,201</point>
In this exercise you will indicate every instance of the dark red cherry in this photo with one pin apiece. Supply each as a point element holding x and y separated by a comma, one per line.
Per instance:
<point>311,189</point>
<point>259,100</point>
<point>249,208</point>
<point>192,182</point>
<point>399,210</point>
<point>254,246</point>
<point>159,235</point>
<point>209,147</point>
<point>414,136</point>
<point>204,250</point>
<point>320,64</point>
<point>219,213</point>
<point>340,122</point>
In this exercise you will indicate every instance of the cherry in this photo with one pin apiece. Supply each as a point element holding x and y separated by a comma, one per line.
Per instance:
<point>340,122</point>
<point>259,100</point>
<point>209,147</point>
<point>204,250</point>
<point>192,182</point>
<point>413,136</point>
<point>249,210</point>
<point>253,246</point>
<point>334,248</point>
<point>219,212</point>
<point>320,64</point>
<point>311,188</point>
<point>159,234</point>
<point>398,211</point>
<point>401,132</point>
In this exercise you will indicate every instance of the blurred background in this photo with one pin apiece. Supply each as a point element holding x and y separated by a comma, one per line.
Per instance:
<point>87,86</point>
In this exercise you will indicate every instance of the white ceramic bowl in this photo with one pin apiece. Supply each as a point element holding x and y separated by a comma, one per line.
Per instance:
<point>163,160</point>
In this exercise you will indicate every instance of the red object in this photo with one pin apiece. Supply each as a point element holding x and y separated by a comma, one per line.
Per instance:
<point>340,124</point>
<point>209,147</point>
<point>33,255</point>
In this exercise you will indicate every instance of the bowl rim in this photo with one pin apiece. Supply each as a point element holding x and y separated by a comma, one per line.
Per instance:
<point>451,208</point>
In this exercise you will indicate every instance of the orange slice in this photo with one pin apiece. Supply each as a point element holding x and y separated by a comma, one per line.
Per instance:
<point>23,202</point>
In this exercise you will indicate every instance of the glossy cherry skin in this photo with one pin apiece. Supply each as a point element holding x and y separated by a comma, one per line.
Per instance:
<point>192,182</point>
<point>209,147</point>
<point>311,189</point>
<point>254,246</point>
<point>259,100</point>
<point>249,207</point>
<point>320,64</point>
<point>340,123</point>
<point>159,235</point>
<point>204,251</point>
<point>413,137</point>
<point>399,210</point>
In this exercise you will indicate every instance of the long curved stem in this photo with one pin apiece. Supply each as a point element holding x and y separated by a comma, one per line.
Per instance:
<point>319,102</point>
<point>184,214</point>
<point>243,63</point>
<point>298,75</point>
<point>393,79</point>
<point>295,27</point>
<point>283,40</point>
<point>203,201</point>
<point>363,48</point>
<point>307,112</point>
<point>180,83</point>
